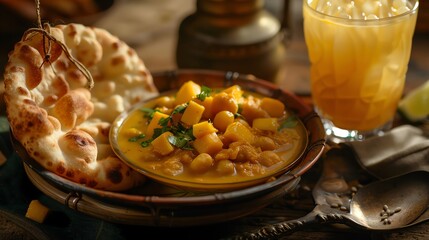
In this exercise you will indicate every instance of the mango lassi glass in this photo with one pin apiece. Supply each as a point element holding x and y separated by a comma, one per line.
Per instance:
<point>359,52</point>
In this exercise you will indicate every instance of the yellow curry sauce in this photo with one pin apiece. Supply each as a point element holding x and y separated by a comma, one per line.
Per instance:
<point>198,134</point>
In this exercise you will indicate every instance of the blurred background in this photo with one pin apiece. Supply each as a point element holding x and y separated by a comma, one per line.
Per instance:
<point>151,28</point>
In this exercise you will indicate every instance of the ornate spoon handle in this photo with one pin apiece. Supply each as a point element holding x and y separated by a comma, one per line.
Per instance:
<point>320,214</point>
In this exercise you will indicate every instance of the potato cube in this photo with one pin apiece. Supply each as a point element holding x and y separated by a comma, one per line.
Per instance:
<point>209,143</point>
<point>235,91</point>
<point>273,107</point>
<point>192,114</point>
<point>202,163</point>
<point>203,128</point>
<point>37,211</point>
<point>207,103</point>
<point>132,132</point>
<point>154,123</point>
<point>161,144</point>
<point>187,92</point>
<point>268,124</point>
<point>237,131</point>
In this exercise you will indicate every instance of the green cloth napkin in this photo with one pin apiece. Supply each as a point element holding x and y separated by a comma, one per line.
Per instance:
<point>404,149</point>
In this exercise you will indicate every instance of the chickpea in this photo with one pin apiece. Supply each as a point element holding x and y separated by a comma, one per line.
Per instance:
<point>165,101</point>
<point>223,101</point>
<point>223,119</point>
<point>273,107</point>
<point>202,163</point>
<point>242,121</point>
<point>225,168</point>
<point>223,154</point>
<point>251,110</point>
<point>165,110</point>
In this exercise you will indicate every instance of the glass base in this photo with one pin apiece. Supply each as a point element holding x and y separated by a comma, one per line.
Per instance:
<point>338,135</point>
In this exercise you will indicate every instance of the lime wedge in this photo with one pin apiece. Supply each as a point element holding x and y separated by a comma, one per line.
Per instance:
<point>415,105</point>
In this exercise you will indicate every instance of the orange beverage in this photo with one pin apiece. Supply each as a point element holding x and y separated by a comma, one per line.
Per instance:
<point>359,53</point>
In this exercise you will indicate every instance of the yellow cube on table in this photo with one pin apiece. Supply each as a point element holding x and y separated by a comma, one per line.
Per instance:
<point>37,211</point>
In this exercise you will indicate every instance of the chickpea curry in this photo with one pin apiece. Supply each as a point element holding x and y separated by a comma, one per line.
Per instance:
<point>205,135</point>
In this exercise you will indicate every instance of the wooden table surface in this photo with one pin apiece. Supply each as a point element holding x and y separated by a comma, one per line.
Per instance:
<point>155,43</point>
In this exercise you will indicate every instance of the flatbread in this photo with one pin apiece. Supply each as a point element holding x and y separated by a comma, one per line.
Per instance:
<point>60,122</point>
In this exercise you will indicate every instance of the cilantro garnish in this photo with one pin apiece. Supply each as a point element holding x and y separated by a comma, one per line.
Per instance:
<point>164,121</point>
<point>182,136</point>
<point>157,132</point>
<point>205,92</point>
<point>238,115</point>
<point>180,141</point>
<point>289,122</point>
<point>146,143</point>
<point>148,112</point>
<point>136,138</point>
<point>179,109</point>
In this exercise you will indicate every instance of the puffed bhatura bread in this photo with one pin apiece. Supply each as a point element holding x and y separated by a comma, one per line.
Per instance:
<point>60,122</point>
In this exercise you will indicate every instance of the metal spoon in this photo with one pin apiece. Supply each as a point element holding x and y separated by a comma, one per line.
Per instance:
<point>388,204</point>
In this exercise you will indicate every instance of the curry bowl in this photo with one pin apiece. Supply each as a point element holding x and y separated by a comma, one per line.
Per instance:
<point>183,138</point>
<point>156,204</point>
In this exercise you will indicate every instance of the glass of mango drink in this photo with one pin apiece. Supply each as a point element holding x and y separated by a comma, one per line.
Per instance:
<point>359,52</point>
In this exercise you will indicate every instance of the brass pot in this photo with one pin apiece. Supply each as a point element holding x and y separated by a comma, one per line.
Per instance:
<point>232,35</point>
